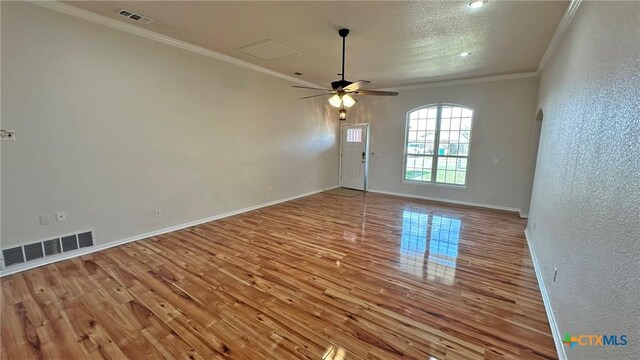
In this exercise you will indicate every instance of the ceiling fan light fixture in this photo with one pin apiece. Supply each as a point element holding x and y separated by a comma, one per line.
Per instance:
<point>342,91</point>
<point>474,4</point>
<point>342,114</point>
<point>348,100</point>
<point>335,101</point>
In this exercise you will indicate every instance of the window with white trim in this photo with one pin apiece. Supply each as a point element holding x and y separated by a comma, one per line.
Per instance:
<point>438,137</point>
<point>354,135</point>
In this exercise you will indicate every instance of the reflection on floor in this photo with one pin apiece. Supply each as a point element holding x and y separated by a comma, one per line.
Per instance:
<point>334,353</point>
<point>443,233</point>
<point>414,242</point>
<point>443,249</point>
<point>321,277</point>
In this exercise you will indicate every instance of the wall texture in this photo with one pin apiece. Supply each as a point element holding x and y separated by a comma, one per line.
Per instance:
<point>500,161</point>
<point>111,126</point>
<point>585,208</point>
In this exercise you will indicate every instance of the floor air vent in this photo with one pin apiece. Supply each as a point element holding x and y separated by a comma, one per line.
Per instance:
<point>33,251</point>
<point>47,248</point>
<point>52,247</point>
<point>69,243</point>
<point>13,256</point>
<point>85,239</point>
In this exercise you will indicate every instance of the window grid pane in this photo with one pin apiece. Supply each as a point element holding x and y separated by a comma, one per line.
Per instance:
<point>449,147</point>
<point>421,140</point>
<point>453,147</point>
<point>418,168</point>
<point>354,135</point>
<point>451,170</point>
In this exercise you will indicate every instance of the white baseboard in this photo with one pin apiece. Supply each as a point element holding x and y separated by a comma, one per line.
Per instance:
<point>457,202</point>
<point>92,249</point>
<point>555,331</point>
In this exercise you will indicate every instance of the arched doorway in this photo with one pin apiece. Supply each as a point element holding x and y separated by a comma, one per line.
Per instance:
<point>535,142</point>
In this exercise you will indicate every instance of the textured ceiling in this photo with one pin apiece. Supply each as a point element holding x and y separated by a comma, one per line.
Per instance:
<point>391,43</point>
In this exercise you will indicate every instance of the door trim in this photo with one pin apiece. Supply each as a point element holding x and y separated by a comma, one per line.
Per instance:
<point>367,126</point>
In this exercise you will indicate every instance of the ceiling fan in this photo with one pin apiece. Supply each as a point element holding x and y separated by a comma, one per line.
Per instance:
<point>342,90</point>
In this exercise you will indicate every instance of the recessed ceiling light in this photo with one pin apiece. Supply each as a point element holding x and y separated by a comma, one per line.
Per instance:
<point>474,4</point>
<point>465,54</point>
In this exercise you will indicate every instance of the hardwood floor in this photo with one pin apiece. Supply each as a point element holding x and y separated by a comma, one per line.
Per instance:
<point>322,277</point>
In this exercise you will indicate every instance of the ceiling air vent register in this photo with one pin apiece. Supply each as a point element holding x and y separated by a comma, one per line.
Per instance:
<point>135,17</point>
<point>267,50</point>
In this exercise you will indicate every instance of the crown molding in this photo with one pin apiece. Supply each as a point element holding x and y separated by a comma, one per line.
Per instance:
<point>148,34</point>
<point>562,28</point>
<point>464,81</point>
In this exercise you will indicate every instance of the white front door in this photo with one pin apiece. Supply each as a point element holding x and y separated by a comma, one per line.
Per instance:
<point>353,159</point>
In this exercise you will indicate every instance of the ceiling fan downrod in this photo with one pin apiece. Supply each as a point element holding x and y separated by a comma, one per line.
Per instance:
<point>343,33</point>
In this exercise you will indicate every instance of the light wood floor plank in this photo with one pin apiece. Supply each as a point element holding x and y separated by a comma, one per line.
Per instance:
<point>371,276</point>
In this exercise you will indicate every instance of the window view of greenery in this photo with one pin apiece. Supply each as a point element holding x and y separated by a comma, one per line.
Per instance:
<point>438,137</point>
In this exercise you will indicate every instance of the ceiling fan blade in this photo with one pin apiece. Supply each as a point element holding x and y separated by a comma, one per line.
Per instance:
<point>376,92</point>
<point>309,88</point>
<point>357,85</point>
<point>312,96</point>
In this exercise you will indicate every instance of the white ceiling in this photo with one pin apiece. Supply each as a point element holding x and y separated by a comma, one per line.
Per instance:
<point>391,43</point>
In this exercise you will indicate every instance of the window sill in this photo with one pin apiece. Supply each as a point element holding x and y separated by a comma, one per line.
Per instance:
<point>438,185</point>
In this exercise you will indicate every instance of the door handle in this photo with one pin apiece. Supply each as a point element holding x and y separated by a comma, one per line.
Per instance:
<point>363,155</point>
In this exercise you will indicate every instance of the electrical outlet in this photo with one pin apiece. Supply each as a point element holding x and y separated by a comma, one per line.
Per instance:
<point>555,274</point>
<point>157,213</point>
<point>61,216</point>
<point>492,194</point>
<point>534,226</point>
<point>44,219</point>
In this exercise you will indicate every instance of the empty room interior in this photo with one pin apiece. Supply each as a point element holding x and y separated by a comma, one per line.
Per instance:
<point>336,180</point>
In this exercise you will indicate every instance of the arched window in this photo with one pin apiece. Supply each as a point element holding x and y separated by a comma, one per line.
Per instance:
<point>437,137</point>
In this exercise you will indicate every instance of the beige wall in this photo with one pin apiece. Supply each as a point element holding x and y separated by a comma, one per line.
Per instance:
<point>111,126</point>
<point>585,208</point>
<point>499,163</point>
